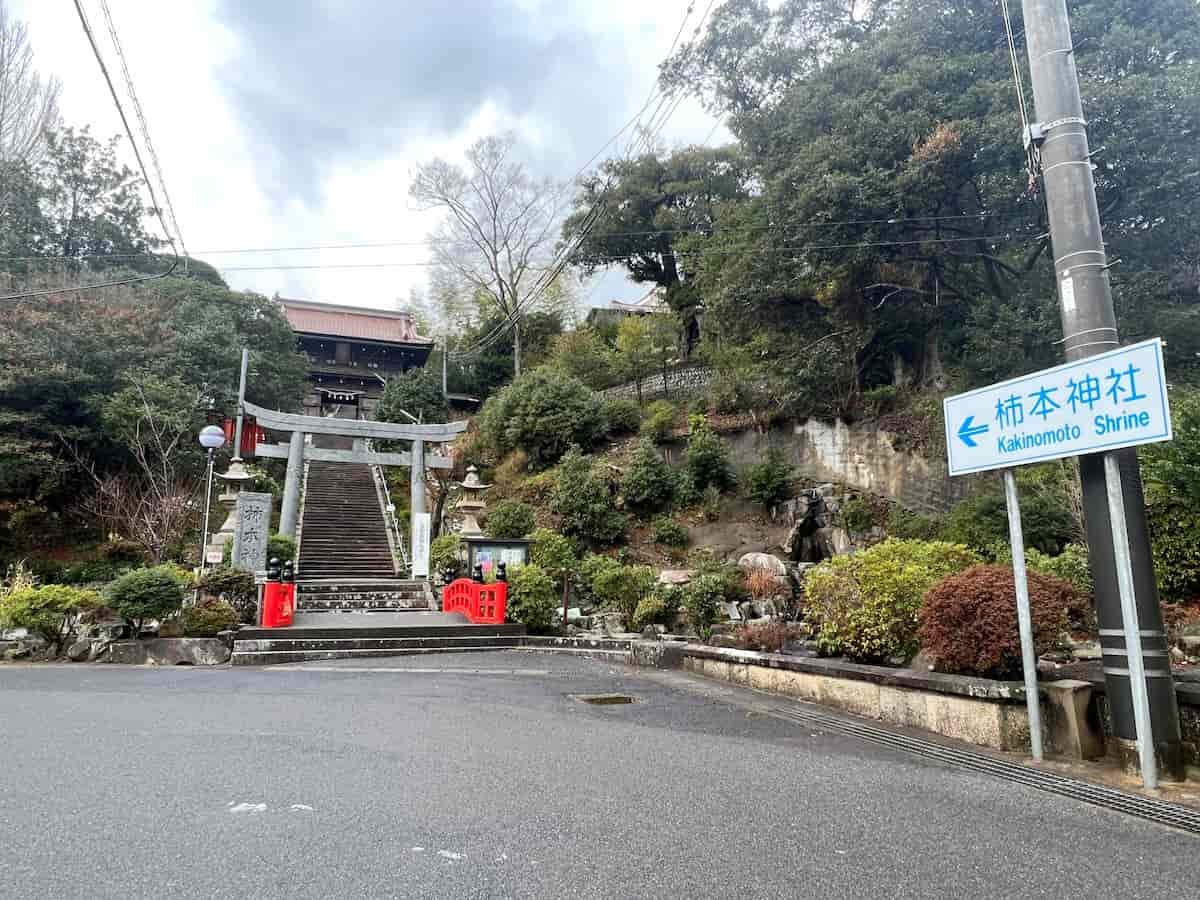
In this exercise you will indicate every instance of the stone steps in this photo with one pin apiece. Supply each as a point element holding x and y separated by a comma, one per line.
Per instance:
<point>343,534</point>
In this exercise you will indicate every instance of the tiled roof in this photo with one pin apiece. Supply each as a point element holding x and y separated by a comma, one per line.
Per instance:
<point>332,320</point>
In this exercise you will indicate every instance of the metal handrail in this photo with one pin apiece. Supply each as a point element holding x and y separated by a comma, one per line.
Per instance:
<point>391,523</point>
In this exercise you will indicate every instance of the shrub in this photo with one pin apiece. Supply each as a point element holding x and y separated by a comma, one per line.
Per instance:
<point>702,599</point>
<point>542,413</point>
<point>623,415</point>
<point>707,458</point>
<point>762,583</point>
<point>769,482</point>
<point>908,525</point>
<point>123,552</point>
<point>510,519</point>
<point>649,484</point>
<point>590,568</point>
<point>866,605</point>
<point>710,503</point>
<point>856,515</point>
<point>658,420</point>
<point>669,533</point>
<point>622,588</point>
<point>209,619</point>
<point>48,611</point>
<point>531,598</point>
<point>551,551</point>
<point>659,607</point>
<point>584,502</point>
<point>981,522</point>
<point>1071,566</point>
<point>281,547</point>
<point>1175,535</point>
<point>968,621</point>
<point>93,572</point>
<point>145,594</point>
<point>444,553</point>
<point>769,637</point>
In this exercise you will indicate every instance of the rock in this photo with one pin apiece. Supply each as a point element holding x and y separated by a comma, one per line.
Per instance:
<point>674,576</point>
<point>746,608</point>
<point>1190,644</point>
<point>1087,651</point>
<point>731,610</point>
<point>921,663</point>
<point>723,640</point>
<point>80,650</point>
<point>226,638</point>
<point>15,653</point>
<point>765,561</point>
<point>764,609</point>
<point>607,623</point>
<point>1177,655</point>
<point>170,652</point>
<point>649,633</point>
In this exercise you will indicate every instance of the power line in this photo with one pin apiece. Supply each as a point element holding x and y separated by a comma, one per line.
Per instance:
<point>137,108</point>
<point>87,30</point>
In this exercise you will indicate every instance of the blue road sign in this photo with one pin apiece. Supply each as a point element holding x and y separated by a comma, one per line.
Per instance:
<point>1105,402</point>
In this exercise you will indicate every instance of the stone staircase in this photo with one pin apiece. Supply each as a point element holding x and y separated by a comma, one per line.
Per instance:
<point>343,535</point>
<point>359,595</point>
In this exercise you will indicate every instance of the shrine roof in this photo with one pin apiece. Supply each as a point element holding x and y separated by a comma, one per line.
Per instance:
<point>358,323</point>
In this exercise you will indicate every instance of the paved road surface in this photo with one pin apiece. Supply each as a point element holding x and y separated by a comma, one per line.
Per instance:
<point>436,780</point>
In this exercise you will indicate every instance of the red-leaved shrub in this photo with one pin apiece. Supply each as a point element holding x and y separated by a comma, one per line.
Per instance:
<point>968,621</point>
<point>769,637</point>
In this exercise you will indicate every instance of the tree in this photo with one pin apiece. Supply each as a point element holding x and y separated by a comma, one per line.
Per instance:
<point>414,396</point>
<point>893,211</point>
<point>28,102</point>
<point>583,354</point>
<point>647,206</point>
<point>635,350</point>
<point>498,236</point>
<point>542,413</point>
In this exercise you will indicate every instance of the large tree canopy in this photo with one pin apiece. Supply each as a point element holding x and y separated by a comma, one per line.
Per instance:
<point>892,215</point>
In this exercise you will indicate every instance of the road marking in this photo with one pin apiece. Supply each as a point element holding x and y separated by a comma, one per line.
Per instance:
<point>447,854</point>
<point>240,808</point>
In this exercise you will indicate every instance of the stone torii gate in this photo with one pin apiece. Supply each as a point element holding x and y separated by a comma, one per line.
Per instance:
<point>296,451</point>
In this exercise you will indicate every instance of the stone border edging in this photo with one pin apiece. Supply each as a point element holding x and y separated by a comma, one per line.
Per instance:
<point>960,685</point>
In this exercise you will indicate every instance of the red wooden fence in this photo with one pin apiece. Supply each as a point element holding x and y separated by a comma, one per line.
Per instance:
<point>482,604</point>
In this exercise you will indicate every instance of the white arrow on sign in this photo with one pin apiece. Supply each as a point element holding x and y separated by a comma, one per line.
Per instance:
<point>1105,402</point>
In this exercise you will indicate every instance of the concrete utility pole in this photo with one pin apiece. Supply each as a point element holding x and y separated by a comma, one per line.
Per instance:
<point>1090,327</point>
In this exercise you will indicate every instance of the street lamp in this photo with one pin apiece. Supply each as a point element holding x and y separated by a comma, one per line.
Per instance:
<point>212,439</point>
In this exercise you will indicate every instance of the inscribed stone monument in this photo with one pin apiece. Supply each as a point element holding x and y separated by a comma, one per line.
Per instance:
<point>253,530</point>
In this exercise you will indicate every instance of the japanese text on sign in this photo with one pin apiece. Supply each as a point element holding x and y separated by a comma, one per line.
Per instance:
<point>1112,400</point>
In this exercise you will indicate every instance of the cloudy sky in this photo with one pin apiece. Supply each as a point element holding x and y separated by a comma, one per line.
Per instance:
<point>281,123</point>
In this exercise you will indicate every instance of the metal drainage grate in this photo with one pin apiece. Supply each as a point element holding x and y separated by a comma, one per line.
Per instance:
<point>602,699</point>
<point>1160,811</point>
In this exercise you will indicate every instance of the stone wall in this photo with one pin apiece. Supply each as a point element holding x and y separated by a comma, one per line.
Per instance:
<point>860,456</point>
<point>684,382</point>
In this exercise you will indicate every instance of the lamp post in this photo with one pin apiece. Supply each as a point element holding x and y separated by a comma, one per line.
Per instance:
<point>212,439</point>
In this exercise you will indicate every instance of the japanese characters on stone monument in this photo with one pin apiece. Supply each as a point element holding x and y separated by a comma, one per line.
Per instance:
<point>253,530</point>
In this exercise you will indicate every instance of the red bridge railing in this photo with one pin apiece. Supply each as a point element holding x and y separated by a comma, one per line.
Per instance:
<point>482,604</point>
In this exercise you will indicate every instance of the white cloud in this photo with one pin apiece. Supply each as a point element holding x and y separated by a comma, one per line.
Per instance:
<point>231,193</point>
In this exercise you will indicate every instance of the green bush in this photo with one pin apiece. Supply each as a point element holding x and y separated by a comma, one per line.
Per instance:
<point>48,611</point>
<point>907,525</point>
<point>209,619</point>
<point>622,415</point>
<point>649,484</point>
<point>234,586</point>
<point>707,457</point>
<point>865,605</point>
<point>622,588</point>
<point>669,533</point>
<point>281,547</point>
<point>856,515</point>
<point>445,552</point>
<point>510,519</point>
<point>552,552</point>
<point>769,482</point>
<point>543,413</point>
<point>583,501</point>
<point>123,552</point>
<point>1175,540</point>
<point>94,571</point>
<point>532,598</point>
<point>968,621</point>
<point>145,594</point>
<point>702,600</point>
<point>658,420</point>
<point>981,522</point>
<point>658,607</point>
<point>590,568</point>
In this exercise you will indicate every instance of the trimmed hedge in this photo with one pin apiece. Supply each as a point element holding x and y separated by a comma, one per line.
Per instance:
<point>968,622</point>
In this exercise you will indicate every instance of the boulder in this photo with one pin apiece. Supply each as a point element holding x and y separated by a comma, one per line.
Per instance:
<point>171,652</point>
<point>607,623</point>
<point>746,608</point>
<point>773,564</point>
<point>80,650</point>
<point>674,576</point>
<point>15,653</point>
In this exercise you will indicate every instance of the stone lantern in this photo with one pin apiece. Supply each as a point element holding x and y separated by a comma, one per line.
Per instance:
<point>235,479</point>
<point>471,505</point>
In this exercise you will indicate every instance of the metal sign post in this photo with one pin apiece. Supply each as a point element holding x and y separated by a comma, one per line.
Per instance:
<point>1129,621</point>
<point>1024,618</point>
<point>1097,404</point>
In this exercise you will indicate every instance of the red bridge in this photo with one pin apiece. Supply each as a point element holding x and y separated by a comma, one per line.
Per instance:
<point>482,604</point>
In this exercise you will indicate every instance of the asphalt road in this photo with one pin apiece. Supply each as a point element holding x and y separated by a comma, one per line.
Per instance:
<point>479,776</point>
